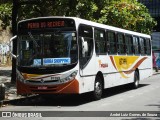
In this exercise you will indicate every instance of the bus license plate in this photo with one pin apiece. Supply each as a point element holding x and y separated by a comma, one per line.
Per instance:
<point>42,88</point>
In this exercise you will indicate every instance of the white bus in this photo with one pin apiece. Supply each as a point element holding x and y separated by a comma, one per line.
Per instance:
<point>69,55</point>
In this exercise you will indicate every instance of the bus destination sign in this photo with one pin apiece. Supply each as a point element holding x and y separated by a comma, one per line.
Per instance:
<point>50,24</point>
<point>45,24</point>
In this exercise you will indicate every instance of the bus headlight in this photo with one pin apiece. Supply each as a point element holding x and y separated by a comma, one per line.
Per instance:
<point>70,77</point>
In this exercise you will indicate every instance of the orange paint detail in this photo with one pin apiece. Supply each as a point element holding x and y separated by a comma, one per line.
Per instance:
<point>135,66</point>
<point>71,87</point>
<point>36,76</point>
<point>113,62</point>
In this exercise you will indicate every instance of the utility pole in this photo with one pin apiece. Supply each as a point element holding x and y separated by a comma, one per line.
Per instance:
<point>14,31</point>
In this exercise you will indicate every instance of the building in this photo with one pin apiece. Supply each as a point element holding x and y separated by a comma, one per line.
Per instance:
<point>154,9</point>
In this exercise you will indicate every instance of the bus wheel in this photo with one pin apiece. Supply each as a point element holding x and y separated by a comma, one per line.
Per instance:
<point>135,84</point>
<point>98,88</point>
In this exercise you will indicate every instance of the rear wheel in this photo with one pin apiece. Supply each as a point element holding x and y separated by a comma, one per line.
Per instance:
<point>135,84</point>
<point>98,88</point>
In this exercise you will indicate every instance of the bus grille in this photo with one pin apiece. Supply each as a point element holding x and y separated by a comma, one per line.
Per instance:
<point>47,81</point>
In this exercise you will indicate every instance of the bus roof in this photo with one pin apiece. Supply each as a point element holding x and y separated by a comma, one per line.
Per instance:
<point>98,25</point>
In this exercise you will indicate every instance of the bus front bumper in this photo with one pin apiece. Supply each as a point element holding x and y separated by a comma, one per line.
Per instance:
<point>71,87</point>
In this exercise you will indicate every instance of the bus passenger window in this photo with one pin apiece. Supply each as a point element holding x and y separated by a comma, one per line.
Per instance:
<point>136,45</point>
<point>142,46</point>
<point>129,44</point>
<point>100,43</point>
<point>111,42</point>
<point>148,46</point>
<point>121,44</point>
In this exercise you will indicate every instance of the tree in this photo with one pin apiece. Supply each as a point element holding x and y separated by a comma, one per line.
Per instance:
<point>5,14</point>
<point>83,9</point>
<point>14,31</point>
<point>128,14</point>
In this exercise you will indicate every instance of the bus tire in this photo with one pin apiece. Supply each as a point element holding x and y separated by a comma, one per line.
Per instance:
<point>98,89</point>
<point>135,84</point>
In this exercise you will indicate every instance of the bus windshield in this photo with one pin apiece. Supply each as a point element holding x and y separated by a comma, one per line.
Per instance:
<point>48,49</point>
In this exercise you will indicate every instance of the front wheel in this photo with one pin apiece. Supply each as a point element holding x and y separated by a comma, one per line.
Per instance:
<point>98,88</point>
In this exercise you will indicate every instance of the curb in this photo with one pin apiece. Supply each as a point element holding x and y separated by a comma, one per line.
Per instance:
<point>4,102</point>
<point>13,100</point>
<point>155,73</point>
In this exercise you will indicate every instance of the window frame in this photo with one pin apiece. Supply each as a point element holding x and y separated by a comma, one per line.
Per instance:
<point>123,44</point>
<point>148,46</point>
<point>105,42</point>
<point>142,46</point>
<point>131,45</point>
<point>85,60</point>
<point>137,45</point>
<point>109,43</point>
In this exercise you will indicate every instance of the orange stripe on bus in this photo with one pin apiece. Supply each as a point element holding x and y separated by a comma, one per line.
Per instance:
<point>111,57</point>
<point>135,66</point>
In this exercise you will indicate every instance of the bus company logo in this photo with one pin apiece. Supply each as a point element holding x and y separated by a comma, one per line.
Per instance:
<point>102,65</point>
<point>42,81</point>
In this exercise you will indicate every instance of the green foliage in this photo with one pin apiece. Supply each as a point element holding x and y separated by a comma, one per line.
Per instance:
<point>80,8</point>
<point>128,14</point>
<point>5,14</point>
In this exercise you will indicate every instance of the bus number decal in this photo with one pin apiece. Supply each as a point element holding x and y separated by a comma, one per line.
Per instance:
<point>55,78</point>
<point>37,62</point>
<point>123,61</point>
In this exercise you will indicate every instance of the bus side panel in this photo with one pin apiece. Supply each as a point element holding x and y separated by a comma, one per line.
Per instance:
<point>87,76</point>
<point>145,70</point>
<point>86,84</point>
<point>121,69</point>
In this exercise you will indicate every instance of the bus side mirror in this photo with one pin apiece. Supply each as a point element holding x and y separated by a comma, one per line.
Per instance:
<point>11,45</point>
<point>84,46</point>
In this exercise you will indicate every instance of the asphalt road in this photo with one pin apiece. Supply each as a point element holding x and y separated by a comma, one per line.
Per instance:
<point>119,99</point>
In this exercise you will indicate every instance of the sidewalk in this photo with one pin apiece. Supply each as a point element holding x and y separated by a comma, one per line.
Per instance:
<point>155,73</point>
<point>10,89</point>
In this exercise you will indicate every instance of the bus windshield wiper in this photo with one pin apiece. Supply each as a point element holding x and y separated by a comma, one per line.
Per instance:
<point>32,38</point>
